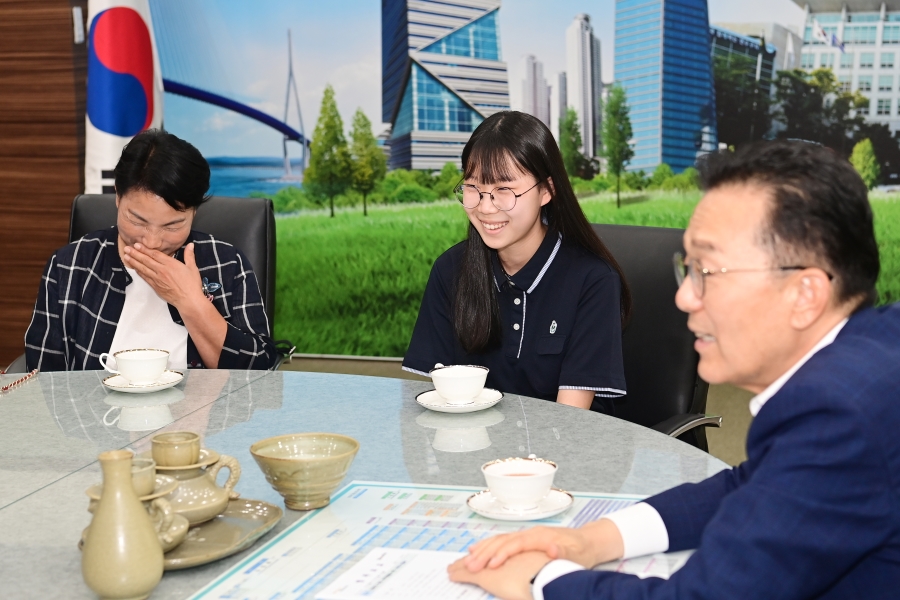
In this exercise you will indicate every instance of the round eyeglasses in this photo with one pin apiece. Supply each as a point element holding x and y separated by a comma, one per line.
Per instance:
<point>690,270</point>
<point>502,198</point>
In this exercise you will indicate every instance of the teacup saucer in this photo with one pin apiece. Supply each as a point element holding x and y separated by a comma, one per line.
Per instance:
<point>434,401</point>
<point>484,504</point>
<point>165,381</point>
<point>123,400</point>
<point>207,457</point>
<point>164,485</point>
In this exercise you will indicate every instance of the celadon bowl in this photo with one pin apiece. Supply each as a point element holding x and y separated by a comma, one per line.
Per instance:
<point>305,468</point>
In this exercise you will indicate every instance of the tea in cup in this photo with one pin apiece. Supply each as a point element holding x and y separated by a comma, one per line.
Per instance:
<point>519,484</point>
<point>459,384</point>
<point>176,448</point>
<point>138,367</point>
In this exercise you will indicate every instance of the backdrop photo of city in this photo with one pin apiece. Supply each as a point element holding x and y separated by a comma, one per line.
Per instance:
<point>634,91</point>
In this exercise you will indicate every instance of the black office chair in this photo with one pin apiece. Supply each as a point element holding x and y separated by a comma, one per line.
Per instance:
<point>664,390</point>
<point>247,223</point>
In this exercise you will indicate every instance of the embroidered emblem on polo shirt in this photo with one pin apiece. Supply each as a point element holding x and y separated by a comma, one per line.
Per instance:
<point>553,327</point>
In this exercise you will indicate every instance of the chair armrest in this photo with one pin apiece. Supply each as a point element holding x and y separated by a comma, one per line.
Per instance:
<point>679,424</point>
<point>17,366</point>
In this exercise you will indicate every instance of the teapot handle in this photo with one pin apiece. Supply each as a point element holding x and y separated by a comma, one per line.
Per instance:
<point>162,506</point>
<point>234,473</point>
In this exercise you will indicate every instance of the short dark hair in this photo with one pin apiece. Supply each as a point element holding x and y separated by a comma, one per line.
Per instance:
<point>820,212</point>
<point>158,162</point>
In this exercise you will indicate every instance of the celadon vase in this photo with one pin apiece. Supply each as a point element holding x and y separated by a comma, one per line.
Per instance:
<point>122,558</point>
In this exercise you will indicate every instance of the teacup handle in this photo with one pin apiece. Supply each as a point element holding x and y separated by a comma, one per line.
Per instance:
<point>104,358</point>
<point>234,473</point>
<point>114,421</point>
<point>161,506</point>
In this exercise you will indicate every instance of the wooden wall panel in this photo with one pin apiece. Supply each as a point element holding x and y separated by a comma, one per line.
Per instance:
<point>42,103</point>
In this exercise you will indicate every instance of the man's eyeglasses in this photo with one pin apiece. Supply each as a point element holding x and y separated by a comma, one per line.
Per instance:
<point>502,198</point>
<point>689,269</point>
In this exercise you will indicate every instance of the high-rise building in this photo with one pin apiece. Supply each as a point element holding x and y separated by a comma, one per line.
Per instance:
<point>535,93</point>
<point>786,41</point>
<point>759,56</point>
<point>663,62</point>
<point>870,32</point>
<point>583,81</point>
<point>558,103</point>
<point>442,74</point>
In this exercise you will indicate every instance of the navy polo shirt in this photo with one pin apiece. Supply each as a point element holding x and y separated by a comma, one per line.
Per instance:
<point>561,324</point>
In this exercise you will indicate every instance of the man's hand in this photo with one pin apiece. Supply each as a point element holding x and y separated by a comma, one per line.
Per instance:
<point>175,282</point>
<point>590,545</point>
<point>512,581</point>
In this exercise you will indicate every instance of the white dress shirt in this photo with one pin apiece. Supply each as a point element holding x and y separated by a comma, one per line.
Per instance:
<point>640,525</point>
<point>146,323</point>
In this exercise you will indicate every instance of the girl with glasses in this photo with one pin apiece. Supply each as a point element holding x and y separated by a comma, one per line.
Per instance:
<point>532,293</point>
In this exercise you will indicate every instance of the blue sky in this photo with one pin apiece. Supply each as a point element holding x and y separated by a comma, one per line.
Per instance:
<point>339,43</point>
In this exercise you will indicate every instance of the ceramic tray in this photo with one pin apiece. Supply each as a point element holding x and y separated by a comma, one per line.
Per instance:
<point>236,529</point>
<point>242,523</point>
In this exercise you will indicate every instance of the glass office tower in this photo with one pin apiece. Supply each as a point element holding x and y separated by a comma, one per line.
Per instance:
<point>442,74</point>
<point>760,56</point>
<point>663,62</point>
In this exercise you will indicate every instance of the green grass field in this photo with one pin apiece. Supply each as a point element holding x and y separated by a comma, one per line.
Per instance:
<point>352,284</point>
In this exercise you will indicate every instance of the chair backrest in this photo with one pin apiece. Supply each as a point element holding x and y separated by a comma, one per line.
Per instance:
<point>246,223</point>
<point>658,348</point>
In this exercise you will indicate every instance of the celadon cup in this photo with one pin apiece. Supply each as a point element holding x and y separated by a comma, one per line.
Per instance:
<point>175,448</point>
<point>305,468</point>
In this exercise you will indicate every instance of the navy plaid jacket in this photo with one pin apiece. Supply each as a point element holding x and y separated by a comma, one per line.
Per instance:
<point>82,293</point>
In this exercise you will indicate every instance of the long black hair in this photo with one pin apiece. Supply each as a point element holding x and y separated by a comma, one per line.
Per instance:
<point>503,147</point>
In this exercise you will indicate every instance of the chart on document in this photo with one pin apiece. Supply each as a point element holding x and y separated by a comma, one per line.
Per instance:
<point>316,550</point>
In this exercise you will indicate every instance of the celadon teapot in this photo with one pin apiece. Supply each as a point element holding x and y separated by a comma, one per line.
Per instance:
<point>198,497</point>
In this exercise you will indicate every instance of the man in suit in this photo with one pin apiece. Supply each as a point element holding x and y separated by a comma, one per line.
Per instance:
<point>778,283</point>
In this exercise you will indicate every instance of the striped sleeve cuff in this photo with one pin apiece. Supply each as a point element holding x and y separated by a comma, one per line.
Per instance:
<point>417,372</point>
<point>602,392</point>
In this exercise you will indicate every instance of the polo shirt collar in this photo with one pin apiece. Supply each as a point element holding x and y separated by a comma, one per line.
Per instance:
<point>529,276</point>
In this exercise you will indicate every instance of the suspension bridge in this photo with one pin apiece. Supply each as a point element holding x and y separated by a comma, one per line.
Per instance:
<point>194,65</point>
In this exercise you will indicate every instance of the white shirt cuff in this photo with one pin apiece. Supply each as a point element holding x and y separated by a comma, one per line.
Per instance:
<point>642,529</point>
<point>552,571</point>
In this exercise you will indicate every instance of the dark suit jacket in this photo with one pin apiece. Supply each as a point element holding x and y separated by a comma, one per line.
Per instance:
<point>814,512</point>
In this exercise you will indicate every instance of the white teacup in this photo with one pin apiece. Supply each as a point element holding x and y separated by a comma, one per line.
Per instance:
<point>140,418</point>
<point>519,483</point>
<point>459,384</point>
<point>138,367</point>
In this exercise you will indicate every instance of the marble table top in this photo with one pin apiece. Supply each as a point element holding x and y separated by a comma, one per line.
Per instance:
<point>52,428</point>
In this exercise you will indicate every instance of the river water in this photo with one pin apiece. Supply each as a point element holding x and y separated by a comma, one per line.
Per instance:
<point>239,176</point>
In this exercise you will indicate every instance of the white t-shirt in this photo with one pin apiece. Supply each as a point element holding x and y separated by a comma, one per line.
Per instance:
<point>147,323</point>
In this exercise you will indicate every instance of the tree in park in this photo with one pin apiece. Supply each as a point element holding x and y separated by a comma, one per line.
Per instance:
<point>447,180</point>
<point>813,106</point>
<point>864,161</point>
<point>368,162</point>
<point>617,136</point>
<point>329,171</point>
<point>742,108</point>
<point>887,150</point>
<point>662,173</point>
<point>576,163</point>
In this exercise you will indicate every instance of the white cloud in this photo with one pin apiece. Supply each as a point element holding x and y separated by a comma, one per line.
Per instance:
<point>221,120</point>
